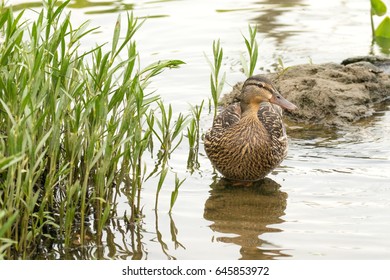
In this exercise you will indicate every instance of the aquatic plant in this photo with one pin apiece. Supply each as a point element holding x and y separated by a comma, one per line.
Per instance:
<point>193,135</point>
<point>75,129</point>
<point>381,34</point>
<point>216,81</point>
<point>253,52</point>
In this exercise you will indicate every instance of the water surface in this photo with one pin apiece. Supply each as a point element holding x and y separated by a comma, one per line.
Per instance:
<point>330,199</point>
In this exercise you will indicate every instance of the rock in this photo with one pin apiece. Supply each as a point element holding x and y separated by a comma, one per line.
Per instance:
<point>330,94</point>
<point>378,61</point>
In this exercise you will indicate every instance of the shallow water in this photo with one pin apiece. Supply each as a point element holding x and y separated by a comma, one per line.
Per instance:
<point>330,199</point>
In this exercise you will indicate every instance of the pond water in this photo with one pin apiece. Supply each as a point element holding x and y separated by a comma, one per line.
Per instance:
<point>330,199</point>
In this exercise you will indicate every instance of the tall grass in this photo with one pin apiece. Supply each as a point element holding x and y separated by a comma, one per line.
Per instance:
<point>216,80</point>
<point>193,135</point>
<point>74,126</point>
<point>253,52</point>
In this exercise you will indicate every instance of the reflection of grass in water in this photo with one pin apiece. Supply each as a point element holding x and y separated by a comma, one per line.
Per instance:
<point>75,131</point>
<point>107,6</point>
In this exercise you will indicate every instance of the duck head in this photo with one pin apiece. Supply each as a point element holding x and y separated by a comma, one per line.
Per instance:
<point>257,89</point>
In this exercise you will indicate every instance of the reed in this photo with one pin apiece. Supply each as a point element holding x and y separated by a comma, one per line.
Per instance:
<point>74,126</point>
<point>253,52</point>
<point>193,135</point>
<point>216,80</point>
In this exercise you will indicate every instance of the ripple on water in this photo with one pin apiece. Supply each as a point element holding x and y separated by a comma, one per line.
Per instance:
<point>333,197</point>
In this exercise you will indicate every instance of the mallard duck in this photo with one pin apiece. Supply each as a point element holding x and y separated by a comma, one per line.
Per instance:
<point>248,138</point>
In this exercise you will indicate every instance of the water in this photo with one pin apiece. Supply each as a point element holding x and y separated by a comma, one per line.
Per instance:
<point>330,199</point>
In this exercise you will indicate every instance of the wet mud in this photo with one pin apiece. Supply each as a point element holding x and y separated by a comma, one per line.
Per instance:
<point>331,94</point>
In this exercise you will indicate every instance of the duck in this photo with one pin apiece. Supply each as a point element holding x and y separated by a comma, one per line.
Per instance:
<point>248,139</point>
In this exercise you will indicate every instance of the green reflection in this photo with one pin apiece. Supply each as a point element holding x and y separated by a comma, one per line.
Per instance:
<point>267,17</point>
<point>232,10</point>
<point>26,5</point>
<point>94,7</point>
<point>269,23</point>
<point>107,7</point>
<point>121,240</point>
<point>247,212</point>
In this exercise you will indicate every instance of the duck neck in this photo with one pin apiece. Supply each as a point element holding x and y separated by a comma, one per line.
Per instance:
<point>249,109</point>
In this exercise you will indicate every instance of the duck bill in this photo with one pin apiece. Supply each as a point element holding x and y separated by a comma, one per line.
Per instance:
<point>278,99</point>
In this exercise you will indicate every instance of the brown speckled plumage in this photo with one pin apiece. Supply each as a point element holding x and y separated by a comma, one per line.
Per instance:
<point>248,139</point>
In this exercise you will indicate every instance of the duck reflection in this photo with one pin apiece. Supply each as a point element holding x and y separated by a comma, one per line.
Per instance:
<point>247,212</point>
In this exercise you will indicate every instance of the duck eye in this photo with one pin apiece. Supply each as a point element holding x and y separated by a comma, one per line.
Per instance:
<point>260,85</point>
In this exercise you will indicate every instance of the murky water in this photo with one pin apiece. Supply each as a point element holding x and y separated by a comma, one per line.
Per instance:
<point>330,199</point>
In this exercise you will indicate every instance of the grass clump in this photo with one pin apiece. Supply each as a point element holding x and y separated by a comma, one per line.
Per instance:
<point>253,52</point>
<point>193,135</point>
<point>217,81</point>
<point>73,127</point>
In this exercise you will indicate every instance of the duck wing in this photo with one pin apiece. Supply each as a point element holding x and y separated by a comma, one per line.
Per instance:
<point>229,116</point>
<point>271,117</point>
